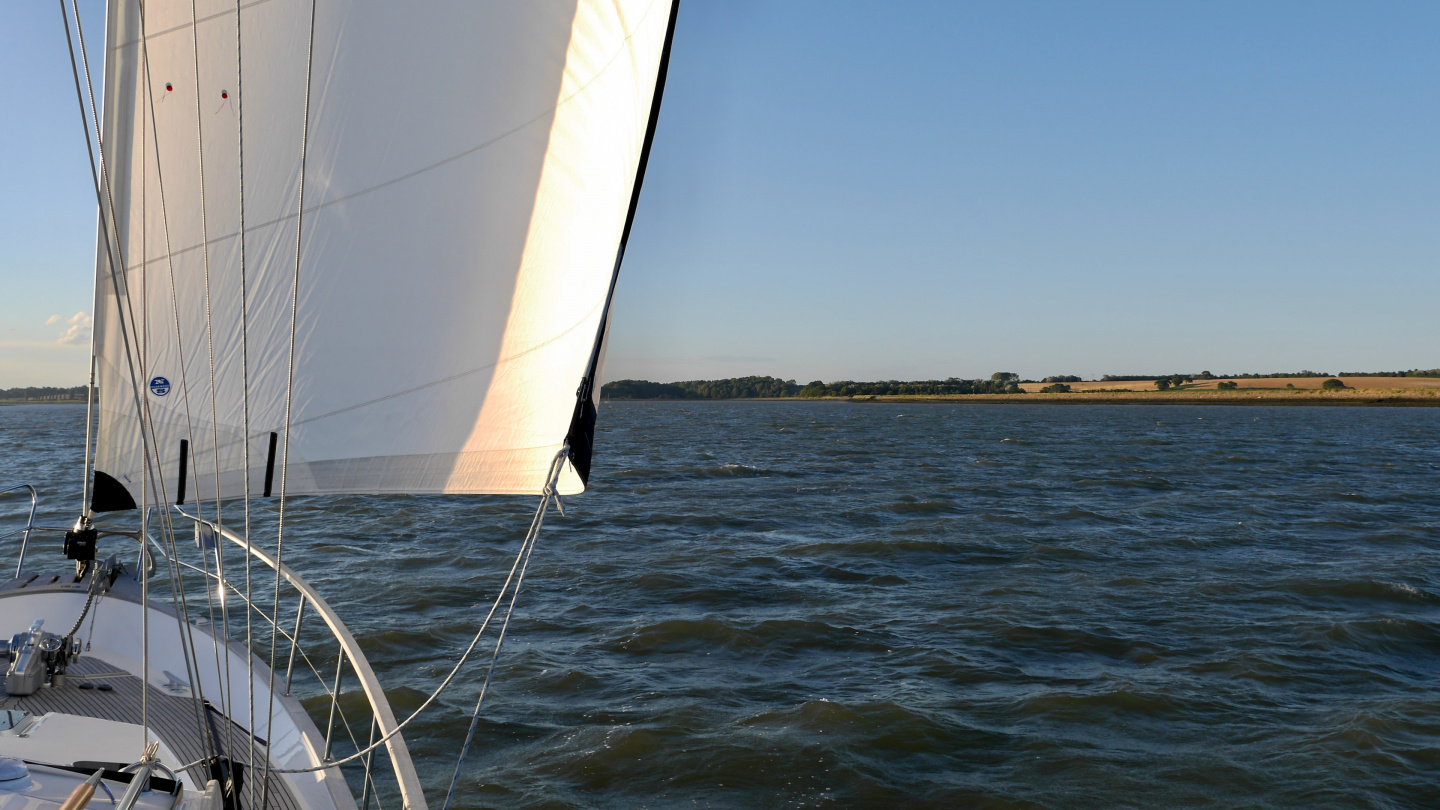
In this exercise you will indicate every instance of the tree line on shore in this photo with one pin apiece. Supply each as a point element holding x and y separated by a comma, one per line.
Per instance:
<point>1414,372</point>
<point>1003,382</point>
<point>44,393</point>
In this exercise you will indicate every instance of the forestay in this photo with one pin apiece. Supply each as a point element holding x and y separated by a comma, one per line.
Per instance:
<point>468,171</point>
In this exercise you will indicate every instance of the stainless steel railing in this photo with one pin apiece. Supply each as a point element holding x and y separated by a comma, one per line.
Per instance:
<point>349,660</point>
<point>348,657</point>
<point>29,524</point>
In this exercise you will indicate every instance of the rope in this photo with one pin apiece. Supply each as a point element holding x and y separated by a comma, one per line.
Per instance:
<point>549,493</point>
<point>521,557</point>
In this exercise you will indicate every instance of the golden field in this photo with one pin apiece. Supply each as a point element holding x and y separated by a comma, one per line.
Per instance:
<point>1371,384</point>
<point>1383,391</point>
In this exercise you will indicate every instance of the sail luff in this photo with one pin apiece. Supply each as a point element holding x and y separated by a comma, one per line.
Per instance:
<point>89,452</point>
<point>106,493</point>
<point>580,439</point>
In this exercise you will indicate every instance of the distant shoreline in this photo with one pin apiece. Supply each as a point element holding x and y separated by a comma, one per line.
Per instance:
<point>1300,388</point>
<point>1251,397</point>
<point>1248,398</point>
<point>41,402</point>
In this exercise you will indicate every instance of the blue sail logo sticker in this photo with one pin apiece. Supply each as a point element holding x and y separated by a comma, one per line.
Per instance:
<point>159,386</point>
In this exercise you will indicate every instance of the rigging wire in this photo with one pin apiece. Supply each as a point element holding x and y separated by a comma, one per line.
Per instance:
<point>170,262</point>
<point>114,258</point>
<point>143,344</point>
<point>141,348</point>
<point>228,689</point>
<point>176,575</point>
<point>289,389</point>
<point>102,176</point>
<point>144,618</point>
<point>304,659</point>
<point>244,379</point>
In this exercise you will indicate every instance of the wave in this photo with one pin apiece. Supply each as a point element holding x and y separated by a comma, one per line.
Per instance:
<point>773,635</point>
<point>916,507</point>
<point>1080,707</point>
<point>1372,590</point>
<point>1052,639</point>
<point>1388,634</point>
<point>874,547</point>
<point>887,725</point>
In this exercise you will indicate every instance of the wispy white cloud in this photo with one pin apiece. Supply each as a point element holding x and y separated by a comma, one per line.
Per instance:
<point>54,319</point>
<point>79,331</point>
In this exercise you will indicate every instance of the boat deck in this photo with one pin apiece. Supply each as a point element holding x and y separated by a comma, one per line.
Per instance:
<point>172,719</point>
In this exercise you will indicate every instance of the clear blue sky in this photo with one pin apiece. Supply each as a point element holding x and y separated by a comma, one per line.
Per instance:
<point>911,190</point>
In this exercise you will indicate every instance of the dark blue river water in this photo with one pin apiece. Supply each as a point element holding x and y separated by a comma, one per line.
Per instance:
<point>872,605</point>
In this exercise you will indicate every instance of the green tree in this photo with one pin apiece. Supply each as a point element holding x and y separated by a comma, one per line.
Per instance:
<point>1163,383</point>
<point>1332,384</point>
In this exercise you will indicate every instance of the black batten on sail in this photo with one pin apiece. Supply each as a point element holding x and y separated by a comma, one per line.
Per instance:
<point>581,437</point>
<point>270,465</point>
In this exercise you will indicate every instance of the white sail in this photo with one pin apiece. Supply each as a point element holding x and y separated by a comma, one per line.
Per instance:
<point>469,168</point>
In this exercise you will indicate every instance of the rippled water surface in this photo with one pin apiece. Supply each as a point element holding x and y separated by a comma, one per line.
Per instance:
<point>865,605</point>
